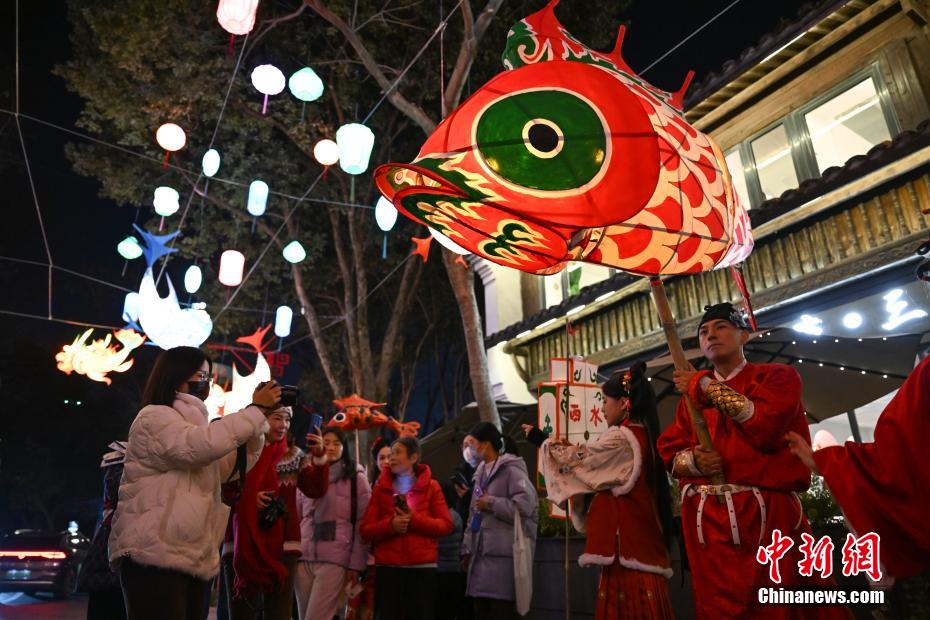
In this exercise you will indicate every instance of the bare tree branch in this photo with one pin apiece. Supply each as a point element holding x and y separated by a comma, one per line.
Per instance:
<point>415,112</point>
<point>270,24</point>
<point>473,33</point>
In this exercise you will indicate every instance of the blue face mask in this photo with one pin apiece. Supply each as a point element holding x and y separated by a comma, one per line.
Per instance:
<point>471,456</point>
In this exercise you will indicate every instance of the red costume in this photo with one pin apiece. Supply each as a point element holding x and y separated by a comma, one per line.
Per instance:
<point>623,533</point>
<point>882,486</point>
<point>722,538</point>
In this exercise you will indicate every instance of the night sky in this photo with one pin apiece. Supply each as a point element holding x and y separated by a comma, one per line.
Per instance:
<point>83,229</point>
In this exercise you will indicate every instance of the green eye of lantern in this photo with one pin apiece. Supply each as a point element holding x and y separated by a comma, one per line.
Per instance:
<point>545,140</point>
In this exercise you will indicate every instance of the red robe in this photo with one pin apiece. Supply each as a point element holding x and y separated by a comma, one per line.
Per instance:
<point>882,486</point>
<point>726,576</point>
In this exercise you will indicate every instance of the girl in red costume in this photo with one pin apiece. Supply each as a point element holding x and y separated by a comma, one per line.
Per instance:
<point>628,521</point>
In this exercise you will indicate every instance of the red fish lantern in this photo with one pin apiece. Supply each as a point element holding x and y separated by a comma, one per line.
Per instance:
<point>570,156</point>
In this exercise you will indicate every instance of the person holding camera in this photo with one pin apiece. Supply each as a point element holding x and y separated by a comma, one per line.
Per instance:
<point>265,523</point>
<point>169,520</point>
<point>405,519</point>
<point>333,554</point>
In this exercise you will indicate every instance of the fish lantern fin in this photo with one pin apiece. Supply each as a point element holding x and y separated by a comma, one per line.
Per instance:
<point>677,100</point>
<point>616,55</point>
<point>256,340</point>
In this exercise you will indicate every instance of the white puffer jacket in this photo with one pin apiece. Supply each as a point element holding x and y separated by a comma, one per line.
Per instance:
<point>169,513</point>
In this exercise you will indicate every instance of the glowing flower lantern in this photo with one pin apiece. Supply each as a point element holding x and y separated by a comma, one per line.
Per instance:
<point>129,248</point>
<point>294,252</point>
<point>570,156</point>
<point>165,322</point>
<point>282,321</point>
<point>232,264</point>
<point>210,163</point>
<point>258,198</point>
<point>193,278</point>
<point>268,80</point>
<point>95,360</point>
<point>305,84</point>
<point>326,153</point>
<point>385,214</point>
<point>355,142</point>
<point>237,17</point>
<point>171,138</point>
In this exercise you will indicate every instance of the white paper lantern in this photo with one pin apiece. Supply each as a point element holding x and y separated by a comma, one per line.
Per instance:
<point>166,201</point>
<point>282,321</point>
<point>129,248</point>
<point>171,137</point>
<point>823,439</point>
<point>193,278</point>
<point>237,16</point>
<point>326,152</point>
<point>131,307</point>
<point>448,243</point>
<point>210,162</point>
<point>355,142</point>
<point>385,214</point>
<point>305,84</point>
<point>268,80</point>
<point>258,198</point>
<point>232,264</point>
<point>294,252</point>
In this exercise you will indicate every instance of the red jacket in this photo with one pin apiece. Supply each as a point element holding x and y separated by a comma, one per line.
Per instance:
<point>430,521</point>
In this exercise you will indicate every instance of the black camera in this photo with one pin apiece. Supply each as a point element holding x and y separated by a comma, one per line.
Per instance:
<point>289,394</point>
<point>268,515</point>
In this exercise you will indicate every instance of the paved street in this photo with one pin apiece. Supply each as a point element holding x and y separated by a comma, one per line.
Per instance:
<point>16,606</point>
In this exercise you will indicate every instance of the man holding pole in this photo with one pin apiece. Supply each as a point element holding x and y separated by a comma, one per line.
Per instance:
<point>748,409</point>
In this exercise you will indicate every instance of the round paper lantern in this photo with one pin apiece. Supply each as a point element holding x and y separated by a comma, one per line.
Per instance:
<point>129,248</point>
<point>193,278</point>
<point>305,84</point>
<point>448,243</point>
<point>171,137</point>
<point>210,162</point>
<point>166,201</point>
<point>326,152</point>
<point>131,307</point>
<point>232,263</point>
<point>355,142</point>
<point>237,16</point>
<point>258,198</point>
<point>385,214</point>
<point>282,321</point>
<point>268,80</point>
<point>294,252</point>
<point>824,439</point>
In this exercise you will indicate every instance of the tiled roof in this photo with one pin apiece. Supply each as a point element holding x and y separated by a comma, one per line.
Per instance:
<point>880,155</point>
<point>787,29</point>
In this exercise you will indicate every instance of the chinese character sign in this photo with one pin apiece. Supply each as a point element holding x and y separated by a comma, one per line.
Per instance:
<point>859,555</point>
<point>571,405</point>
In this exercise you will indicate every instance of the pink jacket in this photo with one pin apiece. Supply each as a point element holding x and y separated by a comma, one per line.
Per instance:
<point>326,532</point>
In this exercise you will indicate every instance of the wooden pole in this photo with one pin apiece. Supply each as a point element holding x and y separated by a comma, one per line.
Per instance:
<point>681,363</point>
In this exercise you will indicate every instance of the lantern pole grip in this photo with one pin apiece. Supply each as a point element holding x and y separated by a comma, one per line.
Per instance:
<point>681,363</point>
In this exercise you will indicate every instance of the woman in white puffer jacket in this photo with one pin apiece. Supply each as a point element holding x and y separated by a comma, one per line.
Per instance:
<point>170,521</point>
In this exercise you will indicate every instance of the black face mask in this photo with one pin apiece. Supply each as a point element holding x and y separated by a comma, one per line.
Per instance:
<point>200,389</point>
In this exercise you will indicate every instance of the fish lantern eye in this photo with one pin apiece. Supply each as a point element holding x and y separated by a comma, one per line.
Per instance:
<point>549,140</point>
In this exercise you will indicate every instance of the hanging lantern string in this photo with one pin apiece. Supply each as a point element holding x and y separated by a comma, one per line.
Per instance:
<point>28,315</point>
<point>177,168</point>
<point>216,128</point>
<point>340,319</point>
<point>268,245</point>
<point>439,28</point>
<point>687,38</point>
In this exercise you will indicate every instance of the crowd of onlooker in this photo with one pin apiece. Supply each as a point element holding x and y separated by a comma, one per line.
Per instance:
<point>235,508</point>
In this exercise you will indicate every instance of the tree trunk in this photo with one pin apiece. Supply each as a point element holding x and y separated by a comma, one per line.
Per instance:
<point>462,282</point>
